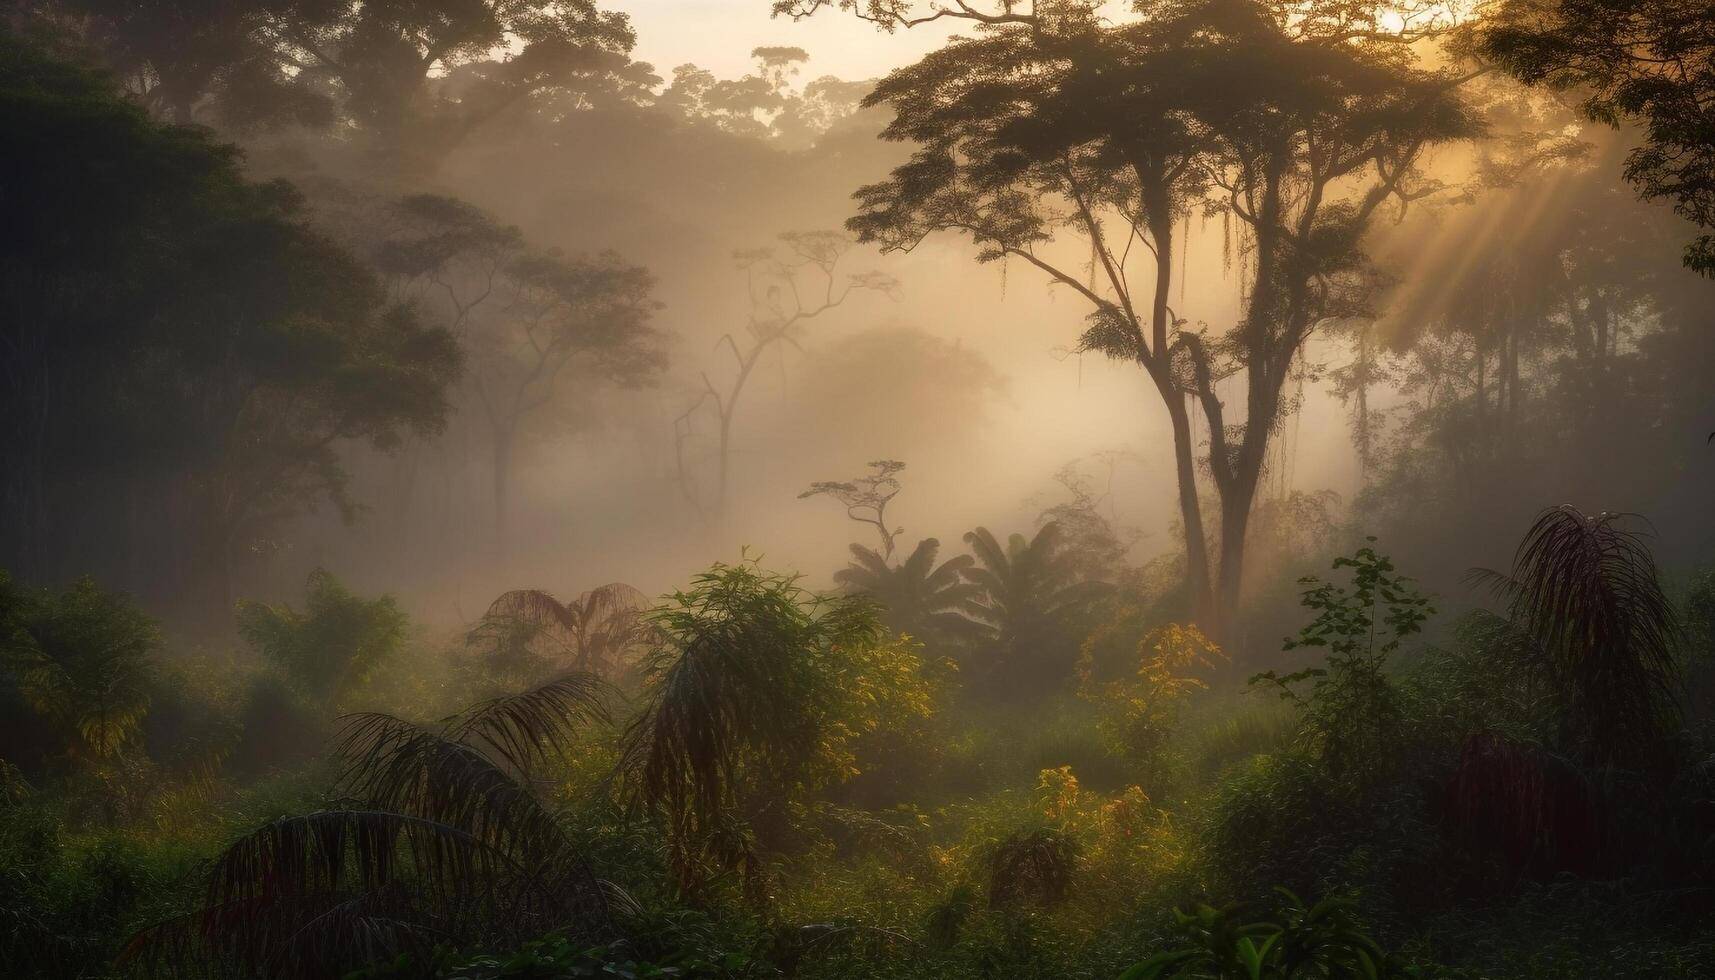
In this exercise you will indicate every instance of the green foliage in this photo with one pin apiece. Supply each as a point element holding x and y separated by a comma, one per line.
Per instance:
<point>1324,941</point>
<point>437,831</point>
<point>932,603</point>
<point>332,648</point>
<point>82,660</point>
<point>1031,594</point>
<point>755,696</point>
<point>182,336</point>
<point>1351,712</point>
<point>1142,710</point>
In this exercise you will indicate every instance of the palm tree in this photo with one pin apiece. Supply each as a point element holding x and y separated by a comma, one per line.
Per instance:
<point>527,632</point>
<point>736,692</point>
<point>442,841</point>
<point>933,603</point>
<point>81,659</point>
<point>1587,593</point>
<point>1030,591</point>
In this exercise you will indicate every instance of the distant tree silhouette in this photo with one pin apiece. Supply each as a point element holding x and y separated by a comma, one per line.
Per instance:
<point>787,293</point>
<point>528,318</point>
<point>1029,595</point>
<point>866,498</point>
<point>937,604</point>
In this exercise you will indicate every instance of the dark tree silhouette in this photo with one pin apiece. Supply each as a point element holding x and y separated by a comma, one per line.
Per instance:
<point>866,498</point>
<point>1030,593</point>
<point>934,603</point>
<point>187,363</point>
<point>530,319</point>
<point>1052,124</point>
<point>1650,62</point>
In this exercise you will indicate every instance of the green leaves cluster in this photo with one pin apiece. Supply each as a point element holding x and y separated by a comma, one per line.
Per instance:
<point>334,645</point>
<point>757,694</point>
<point>82,661</point>
<point>1324,941</point>
<point>1350,710</point>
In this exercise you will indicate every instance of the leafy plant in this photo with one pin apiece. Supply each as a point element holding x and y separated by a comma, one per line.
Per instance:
<point>81,660</point>
<point>527,634</point>
<point>1324,940</point>
<point>1351,711</point>
<point>1031,868</point>
<point>438,837</point>
<point>742,693</point>
<point>933,603</point>
<point>334,646</point>
<point>1030,591</point>
<point>1141,710</point>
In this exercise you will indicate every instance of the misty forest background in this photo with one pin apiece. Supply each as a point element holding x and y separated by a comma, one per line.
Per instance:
<point>1202,488</point>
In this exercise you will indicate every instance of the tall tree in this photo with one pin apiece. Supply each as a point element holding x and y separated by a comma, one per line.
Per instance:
<point>1053,124</point>
<point>186,360</point>
<point>531,320</point>
<point>419,74</point>
<point>1650,62</point>
<point>787,294</point>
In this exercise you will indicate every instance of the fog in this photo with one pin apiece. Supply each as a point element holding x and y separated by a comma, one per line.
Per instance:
<point>970,372</point>
<point>939,489</point>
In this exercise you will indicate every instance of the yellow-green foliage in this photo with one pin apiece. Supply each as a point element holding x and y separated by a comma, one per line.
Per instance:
<point>1141,708</point>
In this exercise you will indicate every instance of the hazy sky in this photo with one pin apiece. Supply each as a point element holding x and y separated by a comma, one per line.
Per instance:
<point>719,35</point>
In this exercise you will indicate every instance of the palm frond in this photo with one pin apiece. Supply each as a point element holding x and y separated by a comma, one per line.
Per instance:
<point>324,893</point>
<point>524,729</point>
<point>1587,591</point>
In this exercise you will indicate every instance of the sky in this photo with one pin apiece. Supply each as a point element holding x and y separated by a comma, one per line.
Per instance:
<point>719,35</point>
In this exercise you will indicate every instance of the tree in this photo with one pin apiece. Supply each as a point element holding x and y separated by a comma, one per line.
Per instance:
<point>917,598</point>
<point>528,318</point>
<point>334,646</point>
<point>1350,712</point>
<point>420,76</point>
<point>187,361</point>
<point>763,104</point>
<point>786,295</point>
<point>1052,124</point>
<point>527,633</point>
<point>1646,61</point>
<point>866,498</point>
<point>1141,707</point>
<point>1029,597</point>
<point>82,661</point>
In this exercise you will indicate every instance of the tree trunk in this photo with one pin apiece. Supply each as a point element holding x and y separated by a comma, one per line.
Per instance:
<point>502,489</point>
<point>1203,607</point>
